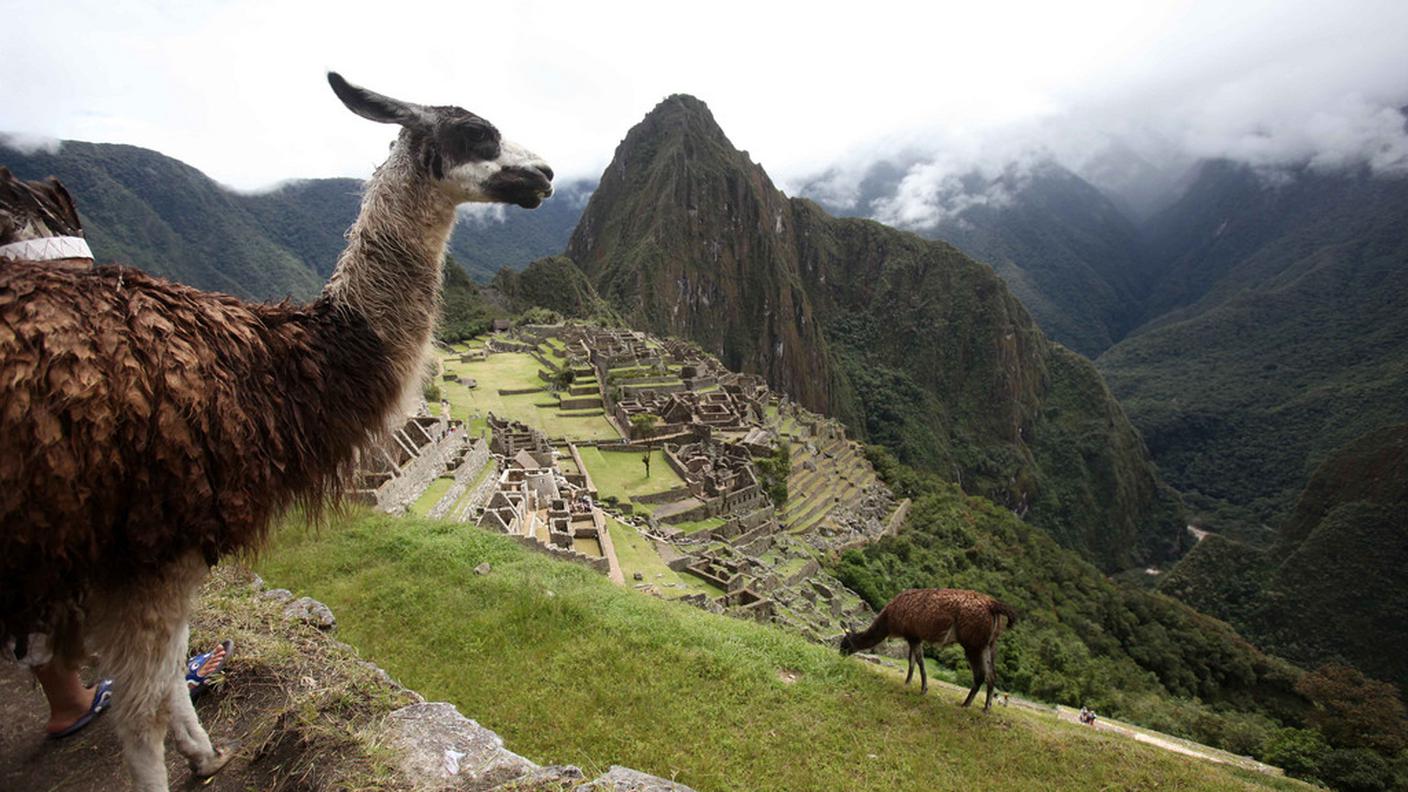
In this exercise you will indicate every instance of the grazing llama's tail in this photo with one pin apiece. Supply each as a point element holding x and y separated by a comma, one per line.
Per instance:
<point>999,608</point>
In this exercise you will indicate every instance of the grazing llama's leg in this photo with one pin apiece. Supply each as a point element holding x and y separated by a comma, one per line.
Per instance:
<point>923,675</point>
<point>975,662</point>
<point>913,648</point>
<point>989,672</point>
<point>139,633</point>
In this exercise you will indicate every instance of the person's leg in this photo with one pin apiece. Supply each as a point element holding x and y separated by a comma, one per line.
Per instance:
<point>68,699</point>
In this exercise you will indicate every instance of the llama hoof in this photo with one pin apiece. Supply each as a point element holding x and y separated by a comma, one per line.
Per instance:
<point>224,752</point>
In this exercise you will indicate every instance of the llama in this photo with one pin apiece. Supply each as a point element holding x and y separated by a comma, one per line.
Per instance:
<point>148,428</point>
<point>941,616</point>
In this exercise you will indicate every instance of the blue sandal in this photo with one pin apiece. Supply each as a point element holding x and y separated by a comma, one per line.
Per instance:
<point>102,698</point>
<point>199,683</point>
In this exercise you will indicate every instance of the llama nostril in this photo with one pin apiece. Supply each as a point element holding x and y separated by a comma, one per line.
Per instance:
<point>545,170</point>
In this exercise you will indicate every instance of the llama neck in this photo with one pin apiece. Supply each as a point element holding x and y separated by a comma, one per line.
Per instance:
<point>390,272</point>
<point>878,631</point>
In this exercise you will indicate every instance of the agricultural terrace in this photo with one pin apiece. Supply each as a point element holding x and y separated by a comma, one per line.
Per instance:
<point>517,371</point>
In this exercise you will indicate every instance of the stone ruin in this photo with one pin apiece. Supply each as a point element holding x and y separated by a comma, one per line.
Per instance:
<point>393,473</point>
<point>712,425</point>
<point>718,472</point>
<point>542,507</point>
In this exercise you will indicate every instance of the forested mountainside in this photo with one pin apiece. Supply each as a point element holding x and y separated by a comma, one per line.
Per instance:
<point>1335,586</point>
<point>911,342</point>
<point>553,283</point>
<point>145,209</point>
<point>1278,332</point>
<point>1072,257</point>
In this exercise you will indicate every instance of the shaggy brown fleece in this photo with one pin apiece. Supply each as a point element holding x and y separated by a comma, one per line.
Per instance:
<point>141,419</point>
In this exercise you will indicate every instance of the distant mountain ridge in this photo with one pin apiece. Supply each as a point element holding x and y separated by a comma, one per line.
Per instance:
<point>909,341</point>
<point>1250,327</point>
<point>1277,331</point>
<point>151,211</point>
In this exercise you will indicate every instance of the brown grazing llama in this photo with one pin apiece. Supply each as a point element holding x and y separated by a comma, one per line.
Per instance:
<point>941,616</point>
<point>148,428</point>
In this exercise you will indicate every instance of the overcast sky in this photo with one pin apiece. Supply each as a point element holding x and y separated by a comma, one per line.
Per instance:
<point>237,88</point>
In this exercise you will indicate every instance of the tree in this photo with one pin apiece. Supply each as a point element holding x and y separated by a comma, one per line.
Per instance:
<point>1297,751</point>
<point>1354,711</point>
<point>773,471</point>
<point>642,423</point>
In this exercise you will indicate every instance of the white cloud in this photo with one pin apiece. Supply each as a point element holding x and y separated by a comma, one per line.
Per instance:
<point>29,144</point>
<point>236,88</point>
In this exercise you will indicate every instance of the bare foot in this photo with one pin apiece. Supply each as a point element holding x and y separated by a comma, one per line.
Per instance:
<point>209,666</point>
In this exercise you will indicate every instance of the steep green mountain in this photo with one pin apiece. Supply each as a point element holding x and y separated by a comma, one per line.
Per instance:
<point>1063,248</point>
<point>153,212</point>
<point>911,342</point>
<point>148,210</point>
<point>465,311</point>
<point>1335,587</point>
<point>1278,332</point>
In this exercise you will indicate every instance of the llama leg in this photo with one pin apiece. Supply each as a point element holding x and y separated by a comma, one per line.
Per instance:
<point>143,669</point>
<point>923,675</point>
<point>138,631</point>
<point>989,673</point>
<point>191,739</point>
<point>975,662</point>
<point>913,647</point>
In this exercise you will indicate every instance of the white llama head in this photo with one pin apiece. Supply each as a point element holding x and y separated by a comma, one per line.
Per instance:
<point>462,153</point>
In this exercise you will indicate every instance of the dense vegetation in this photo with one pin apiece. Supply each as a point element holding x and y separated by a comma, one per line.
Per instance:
<point>604,675</point>
<point>464,312</point>
<point>1144,657</point>
<point>1336,585</point>
<point>1279,333</point>
<point>556,284</point>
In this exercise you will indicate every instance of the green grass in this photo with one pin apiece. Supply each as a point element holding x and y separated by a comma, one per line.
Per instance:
<point>694,526</point>
<point>432,495</point>
<point>621,473</point>
<point>515,371</point>
<point>603,675</point>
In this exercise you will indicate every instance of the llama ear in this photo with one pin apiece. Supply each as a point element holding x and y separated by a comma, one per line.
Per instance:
<point>65,204</point>
<point>376,107</point>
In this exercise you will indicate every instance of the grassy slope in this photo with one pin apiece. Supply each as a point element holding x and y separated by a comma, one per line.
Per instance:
<point>568,668</point>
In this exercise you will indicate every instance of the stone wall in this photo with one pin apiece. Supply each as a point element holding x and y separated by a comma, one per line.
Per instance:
<point>424,465</point>
<point>475,458</point>
<point>597,563</point>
